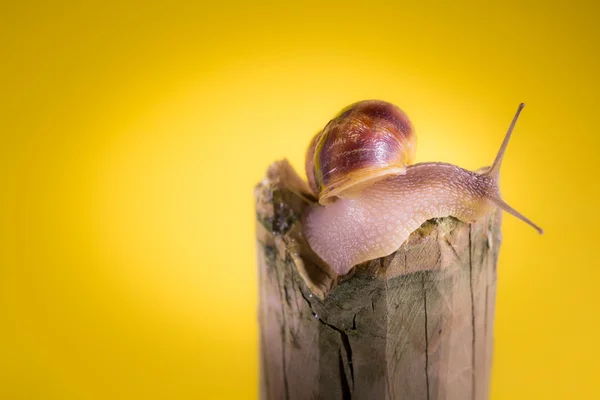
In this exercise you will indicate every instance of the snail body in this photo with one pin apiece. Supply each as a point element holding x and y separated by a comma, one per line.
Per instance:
<point>372,217</point>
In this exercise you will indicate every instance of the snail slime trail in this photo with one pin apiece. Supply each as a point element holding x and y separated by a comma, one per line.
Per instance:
<point>370,196</point>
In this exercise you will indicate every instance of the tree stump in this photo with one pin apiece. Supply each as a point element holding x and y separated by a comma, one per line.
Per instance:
<point>416,324</point>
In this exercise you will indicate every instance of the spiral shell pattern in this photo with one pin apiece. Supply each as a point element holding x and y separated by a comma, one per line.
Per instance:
<point>366,142</point>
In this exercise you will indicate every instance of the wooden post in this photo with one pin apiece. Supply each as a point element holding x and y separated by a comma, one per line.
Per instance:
<point>416,324</point>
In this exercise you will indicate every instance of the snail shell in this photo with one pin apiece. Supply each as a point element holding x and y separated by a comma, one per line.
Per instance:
<point>366,142</point>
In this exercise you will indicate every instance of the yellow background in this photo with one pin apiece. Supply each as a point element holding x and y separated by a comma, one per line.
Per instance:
<point>132,135</point>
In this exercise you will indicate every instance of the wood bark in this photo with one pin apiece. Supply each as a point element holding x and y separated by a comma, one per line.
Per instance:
<point>416,324</point>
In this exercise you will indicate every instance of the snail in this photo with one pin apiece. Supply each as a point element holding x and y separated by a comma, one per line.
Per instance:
<point>370,197</point>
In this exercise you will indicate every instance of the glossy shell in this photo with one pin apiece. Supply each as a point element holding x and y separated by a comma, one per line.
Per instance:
<point>364,143</point>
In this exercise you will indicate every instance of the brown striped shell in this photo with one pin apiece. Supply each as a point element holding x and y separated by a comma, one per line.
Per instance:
<point>366,142</point>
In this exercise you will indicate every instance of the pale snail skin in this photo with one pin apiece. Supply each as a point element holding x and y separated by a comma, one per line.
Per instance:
<point>371,216</point>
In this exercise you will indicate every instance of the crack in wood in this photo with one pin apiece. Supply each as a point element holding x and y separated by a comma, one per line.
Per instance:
<point>283,337</point>
<point>453,249</point>
<point>473,381</point>
<point>426,334</point>
<point>346,392</point>
<point>343,337</point>
<point>485,311</point>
